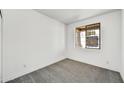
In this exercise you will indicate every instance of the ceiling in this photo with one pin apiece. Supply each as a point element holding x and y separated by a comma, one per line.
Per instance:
<point>68,16</point>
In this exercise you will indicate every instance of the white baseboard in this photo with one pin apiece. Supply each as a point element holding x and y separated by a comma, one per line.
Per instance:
<point>34,69</point>
<point>55,61</point>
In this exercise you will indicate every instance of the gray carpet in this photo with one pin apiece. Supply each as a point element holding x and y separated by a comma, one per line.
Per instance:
<point>70,71</point>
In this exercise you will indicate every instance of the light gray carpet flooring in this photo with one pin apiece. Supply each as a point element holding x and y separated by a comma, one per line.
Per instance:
<point>70,71</point>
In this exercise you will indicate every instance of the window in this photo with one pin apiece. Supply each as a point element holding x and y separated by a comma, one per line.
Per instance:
<point>88,36</point>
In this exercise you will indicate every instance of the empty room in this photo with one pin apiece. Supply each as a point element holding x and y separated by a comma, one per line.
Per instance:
<point>61,45</point>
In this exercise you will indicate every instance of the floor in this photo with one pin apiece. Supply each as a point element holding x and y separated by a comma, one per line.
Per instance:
<point>70,71</point>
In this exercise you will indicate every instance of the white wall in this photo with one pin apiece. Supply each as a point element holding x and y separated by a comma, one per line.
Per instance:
<point>31,41</point>
<point>0,48</point>
<point>122,65</point>
<point>109,56</point>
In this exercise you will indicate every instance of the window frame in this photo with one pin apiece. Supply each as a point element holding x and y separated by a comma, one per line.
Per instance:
<point>75,37</point>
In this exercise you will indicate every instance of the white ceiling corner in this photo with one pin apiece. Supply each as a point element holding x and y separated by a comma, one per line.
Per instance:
<point>68,16</point>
